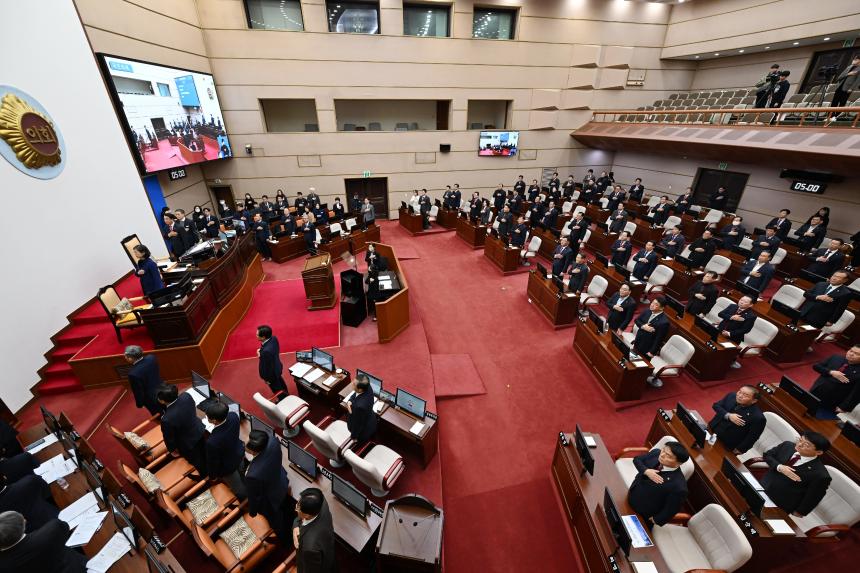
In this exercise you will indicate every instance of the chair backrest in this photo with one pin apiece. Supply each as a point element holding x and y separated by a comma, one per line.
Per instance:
<point>661,276</point>
<point>855,285</point>
<point>496,224</point>
<point>434,210</point>
<point>318,236</point>
<point>677,350</point>
<point>365,471</point>
<point>789,295</point>
<point>169,505</point>
<point>578,209</point>
<point>322,440</point>
<point>597,287</point>
<point>776,431</point>
<point>565,229</point>
<point>490,218</point>
<point>688,467</point>
<point>719,306</point>
<point>630,227</point>
<point>762,333</point>
<point>270,409</point>
<point>374,126</point>
<point>575,195</point>
<point>586,236</point>
<point>204,541</point>
<point>841,503</point>
<point>671,221</point>
<point>714,216</point>
<point>534,244</point>
<point>778,256</point>
<point>109,298</point>
<point>604,202</point>
<point>719,264</point>
<point>652,200</point>
<point>566,207</point>
<point>335,228</point>
<point>719,538</point>
<point>843,323</point>
<point>746,243</point>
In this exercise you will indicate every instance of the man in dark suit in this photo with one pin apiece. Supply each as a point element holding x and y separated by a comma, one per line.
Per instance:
<point>518,235</point>
<point>287,223</point>
<point>187,229</point>
<point>769,242</point>
<point>636,191</point>
<point>617,220</point>
<point>267,483</point>
<point>732,233</point>
<point>425,205</point>
<point>499,197</point>
<point>616,198</point>
<point>738,319</point>
<point>183,431</point>
<point>144,379</point>
<point>31,497</point>
<point>260,228</point>
<point>506,221</point>
<point>40,551</point>
<point>673,241</point>
<point>660,488</point>
<point>683,202</point>
<point>646,261</point>
<point>738,421</point>
<point>561,257</point>
<point>780,90</point>
<point>653,327</point>
<point>18,466</point>
<point>533,191</point>
<point>171,235</point>
<point>757,273</point>
<point>578,274</point>
<point>621,249</point>
<point>827,260</point>
<point>309,232</point>
<point>520,186</point>
<point>536,211</point>
<point>270,367</point>
<point>717,199</point>
<point>781,223</point>
<point>826,301</point>
<point>9,444</point>
<point>456,195</point>
<point>703,294</point>
<point>568,187</point>
<point>838,386</point>
<point>797,480</point>
<point>660,212</point>
<point>313,534</point>
<point>809,235</point>
<point>702,249</point>
<point>555,181</point>
<point>578,225</point>
<point>550,216</point>
<point>266,207</point>
<point>362,420</point>
<point>621,308</point>
<point>224,450</point>
<point>211,223</point>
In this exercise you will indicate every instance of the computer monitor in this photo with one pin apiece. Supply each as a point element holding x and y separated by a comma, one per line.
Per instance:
<point>621,345</point>
<point>153,563</point>
<point>375,383</point>
<point>622,270</point>
<point>616,525</point>
<point>347,494</point>
<point>558,282</point>
<point>410,403</point>
<point>811,277</point>
<point>603,259</point>
<point>232,405</point>
<point>597,320</point>
<point>541,270</point>
<point>851,431</point>
<point>685,261</point>
<point>584,453</point>
<point>50,421</point>
<point>783,308</point>
<point>709,328</point>
<point>302,459</point>
<point>692,424</point>
<point>304,356</point>
<point>745,488</point>
<point>200,385</point>
<point>810,402</point>
<point>322,359</point>
<point>258,424</point>
<point>675,304</point>
<point>747,290</point>
<point>124,524</point>
<point>94,481</point>
<point>172,292</point>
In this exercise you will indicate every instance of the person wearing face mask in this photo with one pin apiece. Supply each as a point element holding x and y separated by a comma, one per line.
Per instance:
<point>197,217</point>
<point>732,233</point>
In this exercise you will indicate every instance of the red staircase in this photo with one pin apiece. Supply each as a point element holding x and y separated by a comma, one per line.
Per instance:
<point>57,377</point>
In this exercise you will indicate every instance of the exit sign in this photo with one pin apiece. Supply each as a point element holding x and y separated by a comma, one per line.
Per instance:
<point>366,173</point>
<point>723,166</point>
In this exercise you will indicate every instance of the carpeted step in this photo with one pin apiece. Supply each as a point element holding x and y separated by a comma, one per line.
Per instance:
<point>82,333</point>
<point>63,351</point>
<point>92,313</point>
<point>57,370</point>
<point>59,385</point>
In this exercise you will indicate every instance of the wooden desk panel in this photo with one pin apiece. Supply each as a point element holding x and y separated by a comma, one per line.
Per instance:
<point>358,239</point>
<point>288,248</point>
<point>392,314</point>
<point>622,383</point>
<point>601,242</point>
<point>692,228</point>
<point>335,247</point>
<point>682,280</point>
<point>644,233</point>
<point>548,242</point>
<point>507,259</point>
<point>474,235</point>
<point>411,222</point>
<point>447,218</point>
<point>559,309</point>
<point>710,361</point>
<point>615,279</point>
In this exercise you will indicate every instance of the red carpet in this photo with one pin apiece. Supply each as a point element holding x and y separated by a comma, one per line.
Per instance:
<point>168,156</point>
<point>454,375</point>
<point>282,305</point>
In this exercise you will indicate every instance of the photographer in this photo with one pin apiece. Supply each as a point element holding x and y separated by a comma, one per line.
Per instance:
<point>847,81</point>
<point>765,86</point>
<point>780,90</point>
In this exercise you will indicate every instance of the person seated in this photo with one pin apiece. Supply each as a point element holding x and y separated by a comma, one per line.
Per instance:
<point>660,489</point>
<point>838,383</point>
<point>361,420</point>
<point>660,212</point>
<point>826,260</point>
<point>732,233</point>
<point>702,249</point>
<point>781,224</point>
<point>673,241</point>
<point>578,274</point>
<point>621,306</point>
<point>561,257</point>
<point>653,327</point>
<point>809,235</point>
<point>827,300</point>
<point>518,236</point>
<point>617,220</point>
<point>757,273</point>
<point>738,421</point>
<point>31,497</point>
<point>797,480</point>
<point>703,294</point>
<point>41,550</point>
<point>646,261</point>
<point>636,190</point>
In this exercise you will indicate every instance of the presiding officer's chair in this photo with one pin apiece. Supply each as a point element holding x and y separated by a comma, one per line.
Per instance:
<point>711,541</point>
<point>331,441</point>
<point>121,313</point>
<point>287,414</point>
<point>625,466</point>
<point>836,513</point>
<point>378,469</point>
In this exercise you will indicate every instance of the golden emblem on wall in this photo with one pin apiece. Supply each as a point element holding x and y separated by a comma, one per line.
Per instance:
<point>29,133</point>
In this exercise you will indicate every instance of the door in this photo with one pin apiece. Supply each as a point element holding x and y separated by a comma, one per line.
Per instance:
<point>709,180</point>
<point>225,193</point>
<point>375,188</point>
<point>158,124</point>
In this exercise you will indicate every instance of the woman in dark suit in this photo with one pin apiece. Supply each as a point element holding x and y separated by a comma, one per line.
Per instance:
<point>147,271</point>
<point>249,202</point>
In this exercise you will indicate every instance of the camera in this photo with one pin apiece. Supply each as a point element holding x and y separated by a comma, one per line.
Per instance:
<point>828,71</point>
<point>773,77</point>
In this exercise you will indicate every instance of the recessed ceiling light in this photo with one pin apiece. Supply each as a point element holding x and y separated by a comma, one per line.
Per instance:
<point>826,39</point>
<point>740,51</point>
<point>717,54</point>
<point>767,47</point>
<point>795,43</point>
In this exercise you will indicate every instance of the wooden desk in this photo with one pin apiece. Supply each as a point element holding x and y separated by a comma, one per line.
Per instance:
<point>645,232</point>
<point>691,227</point>
<point>409,221</point>
<point>507,259</point>
<point>318,279</point>
<point>328,394</point>
<point>560,309</point>
<point>601,242</point>
<point>710,361</point>
<point>392,314</point>
<point>582,498</point>
<point>615,279</point>
<point>336,247</point>
<point>733,274</point>
<point>680,283</point>
<point>622,383</point>
<point>358,239</point>
<point>288,248</point>
<point>843,453</point>
<point>793,261</point>
<point>595,214</point>
<point>474,235</point>
<point>447,218</point>
<point>548,242</point>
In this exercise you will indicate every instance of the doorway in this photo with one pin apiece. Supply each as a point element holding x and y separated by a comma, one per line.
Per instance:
<point>223,193</point>
<point>375,188</point>
<point>158,124</point>
<point>709,180</point>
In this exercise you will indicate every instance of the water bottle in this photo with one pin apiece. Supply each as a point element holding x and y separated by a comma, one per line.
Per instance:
<point>64,485</point>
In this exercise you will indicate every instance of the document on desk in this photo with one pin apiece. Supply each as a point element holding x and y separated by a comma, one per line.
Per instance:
<point>195,395</point>
<point>644,567</point>
<point>779,526</point>
<point>300,369</point>
<point>85,530</point>
<point>807,327</point>
<point>46,441</point>
<point>87,503</point>
<point>416,428</point>
<point>728,344</point>
<point>313,375</point>
<point>329,381</point>
<point>55,468</point>
<point>640,363</point>
<point>570,294</point>
<point>637,531</point>
<point>112,552</point>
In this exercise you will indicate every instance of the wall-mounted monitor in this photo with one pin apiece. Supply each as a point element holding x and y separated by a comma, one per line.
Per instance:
<point>499,143</point>
<point>170,116</point>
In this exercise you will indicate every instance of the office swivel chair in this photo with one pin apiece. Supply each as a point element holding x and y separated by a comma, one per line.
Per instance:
<point>836,513</point>
<point>286,414</point>
<point>719,264</point>
<point>776,431</point>
<point>628,471</point>
<point>205,504</point>
<point>672,359</point>
<point>378,469</point>
<point>331,441</point>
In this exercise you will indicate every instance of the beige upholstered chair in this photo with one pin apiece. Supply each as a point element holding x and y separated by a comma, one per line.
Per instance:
<point>378,469</point>
<point>720,305</point>
<point>673,357</point>
<point>762,334</point>
<point>596,289</point>
<point>713,216</point>
<point>829,333</point>
<point>331,441</point>
<point>259,544</point>
<point>671,221</point>
<point>853,416</point>
<point>532,249</point>
<point>711,540</point>
<point>789,295</point>
<point>129,318</point>
<point>624,460</point>
<point>776,431</point>
<point>658,280</point>
<point>836,513</point>
<point>287,414</point>
<point>719,264</point>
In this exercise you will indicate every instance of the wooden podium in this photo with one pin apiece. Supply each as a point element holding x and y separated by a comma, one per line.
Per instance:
<point>319,282</point>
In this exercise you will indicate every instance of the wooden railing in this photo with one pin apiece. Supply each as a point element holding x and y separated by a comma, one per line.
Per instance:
<point>788,117</point>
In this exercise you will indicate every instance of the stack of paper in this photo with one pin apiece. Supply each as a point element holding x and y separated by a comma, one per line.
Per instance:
<point>727,344</point>
<point>313,375</point>
<point>75,513</point>
<point>46,441</point>
<point>329,381</point>
<point>779,527</point>
<point>112,552</point>
<point>644,567</point>
<point>55,468</point>
<point>195,395</point>
<point>416,428</point>
<point>300,369</point>
<point>89,524</point>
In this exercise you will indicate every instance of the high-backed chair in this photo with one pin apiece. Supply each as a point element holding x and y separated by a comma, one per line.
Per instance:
<point>776,431</point>
<point>673,357</point>
<point>829,333</point>
<point>204,504</point>
<point>586,236</point>
<point>332,441</point>
<point>789,295</point>
<point>630,227</point>
<point>243,541</point>
<point>566,207</point>
<point>286,414</point>
<point>144,442</point>
<point>671,221</point>
<point>578,209</point>
<point>624,460</point>
<point>836,513</point>
<point>434,213</point>
<point>168,474</point>
<point>762,334</point>
<point>565,229</point>
<point>532,249</point>
<point>378,469</point>
<point>713,216</point>
<point>710,541</point>
<point>719,306</point>
<point>658,280</point>
<point>719,264</point>
<point>778,256</point>
<point>652,200</point>
<point>604,203</point>
<point>746,243</point>
<point>121,314</point>
<point>575,195</point>
<point>596,289</point>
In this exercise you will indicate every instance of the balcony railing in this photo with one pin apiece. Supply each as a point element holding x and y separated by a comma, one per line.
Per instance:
<point>821,117</point>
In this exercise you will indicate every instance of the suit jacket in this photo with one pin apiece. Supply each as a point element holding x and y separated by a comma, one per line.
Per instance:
<point>817,312</point>
<point>188,232</point>
<point>559,265</point>
<point>17,466</point>
<point>828,267</point>
<point>144,379</point>
<point>697,305</point>
<point>27,496</point>
<point>621,257</point>
<point>260,230</point>
<point>499,198</point>
<point>734,437</point>
<point>549,218</point>
<point>176,244</point>
<point>700,259</point>
<point>316,553</point>
<point>266,480</point>
<point>288,224</point>
<point>505,223</point>
<point>270,367</point>
<point>802,496</point>
<point>659,213</point>
<point>224,450</point>
<point>809,243</point>
<point>9,444</point>
<point>150,280</point>
<point>850,82</point>
<point>782,227</point>
<point>518,236</point>
<point>643,270</point>
<point>771,247</point>
<point>779,93</point>
<point>636,192</point>
<point>620,319</point>
<point>732,240</point>
<point>577,229</point>
<point>44,551</point>
<point>576,282</point>
<point>833,393</point>
<point>617,221</point>
<point>180,426</point>
<point>659,502</point>
<point>758,283</point>
<point>362,420</point>
<point>717,200</point>
<point>682,203</point>
<point>211,230</point>
<point>615,199</point>
<point>368,212</point>
<point>736,328</point>
<point>309,233</point>
<point>650,342</point>
<point>672,250</point>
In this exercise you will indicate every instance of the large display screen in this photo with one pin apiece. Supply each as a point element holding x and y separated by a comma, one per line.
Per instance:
<point>171,116</point>
<point>499,143</point>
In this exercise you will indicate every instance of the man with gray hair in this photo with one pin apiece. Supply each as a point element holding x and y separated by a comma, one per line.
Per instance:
<point>43,550</point>
<point>144,379</point>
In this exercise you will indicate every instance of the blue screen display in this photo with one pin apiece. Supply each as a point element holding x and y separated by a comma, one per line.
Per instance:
<point>187,91</point>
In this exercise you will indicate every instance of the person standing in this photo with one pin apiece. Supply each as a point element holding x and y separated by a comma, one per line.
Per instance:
<point>187,230</point>
<point>646,261</point>
<point>499,197</point>
<point>838,386</point>
<point>172,237</point>
<point>313,534</point>
<point>826,301</point>
<point>703,295</point>
<point>505,220</point>
<point>733,233</point>
<point>673,242</point>
<point>781,224</point>
<point>827,260</point>
<point>653,327</point>
<point>738,319</point>
<point>765,86</point>
<point>224,450</point>
<point>361,421</point>
<point>702,249</point>
<point>578,274</point>
<point>309,234</point>
<point>780,90</point>
<point>717,199</point>
<point>183,431</point>
<point>769,242</point>
<point>636,190</point>
<point>368,213</point>
<point>147,271</point>
<point>267,482</point>
<point>810,234</point>
<point>621,308</point>
<point>797,480</point>
<point>270,367</point>
<point>846,82</point>
<point>210,224</point>
<point>738,421</point>
<point>144,379</point>
<point>261,232</point>
<point>561,257</point>
<point>621,249</point>
<point>757,273</point>
<point>683,202</point>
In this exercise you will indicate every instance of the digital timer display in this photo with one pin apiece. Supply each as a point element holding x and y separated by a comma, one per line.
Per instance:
<point>808,187</point>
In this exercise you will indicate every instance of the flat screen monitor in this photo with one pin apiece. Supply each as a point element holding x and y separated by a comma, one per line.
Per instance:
<point>50,421</point>
<point>622,270</point>
<point>851,431</point>
<point>745,488</point>
<point>410,403</point>
<point>709,328</point>
<point>304,356</point>
<point>375,383</point>
<point>692,424</point>
<point>747,290</point>
<point>811,277</point>
<point>783,308</point>
<point>200,385</point>
<point>616,525</point>
<point>171,116</point>
<point>603,259</point>
<point>584,453</point>
<point>302,459</point>
<point>94,481</point>
<point>349,495</point>
<point>322,359</point>
<point>685,261</point>
<point>597,320</point>
<point>258,424</point>
<point>621,345</point>
<point>498,143</point>
<point>675,304</point>
<point>541,270</point>
<point>810,402</point>
<point>124,524</point>
<point>232,405</point>
<point>154,564</point>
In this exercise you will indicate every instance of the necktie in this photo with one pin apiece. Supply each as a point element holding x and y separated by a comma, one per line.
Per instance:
<point>830,289</point>
<point>794,459</point>
<point>659,467</point>
<point>844,367</point>
<point>828,254</point>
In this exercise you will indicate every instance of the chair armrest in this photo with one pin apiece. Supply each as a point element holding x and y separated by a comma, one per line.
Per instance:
<point>195,489</point>
<point>131,298</point>
<point>157,461</point>
<point>680,519</point>
<point>225,521</point>
<point>829,528</point>
<point>396,465</point>
<point>668,367</point>
<point>706,571</point>
<point>363,449</point>
<point>182,477</point>
<point>752,461</point>
<point>277,394</point>
<point>326,421</point>
<point>137,429</point>
<point>750,347</point>
<point>627,452</point>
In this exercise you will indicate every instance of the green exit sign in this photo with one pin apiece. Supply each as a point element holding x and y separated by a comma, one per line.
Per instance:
<point>723,166</point>
<point>366,173</point>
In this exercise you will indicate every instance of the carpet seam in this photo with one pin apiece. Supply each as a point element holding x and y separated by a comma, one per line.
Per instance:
<point>108,413</point>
